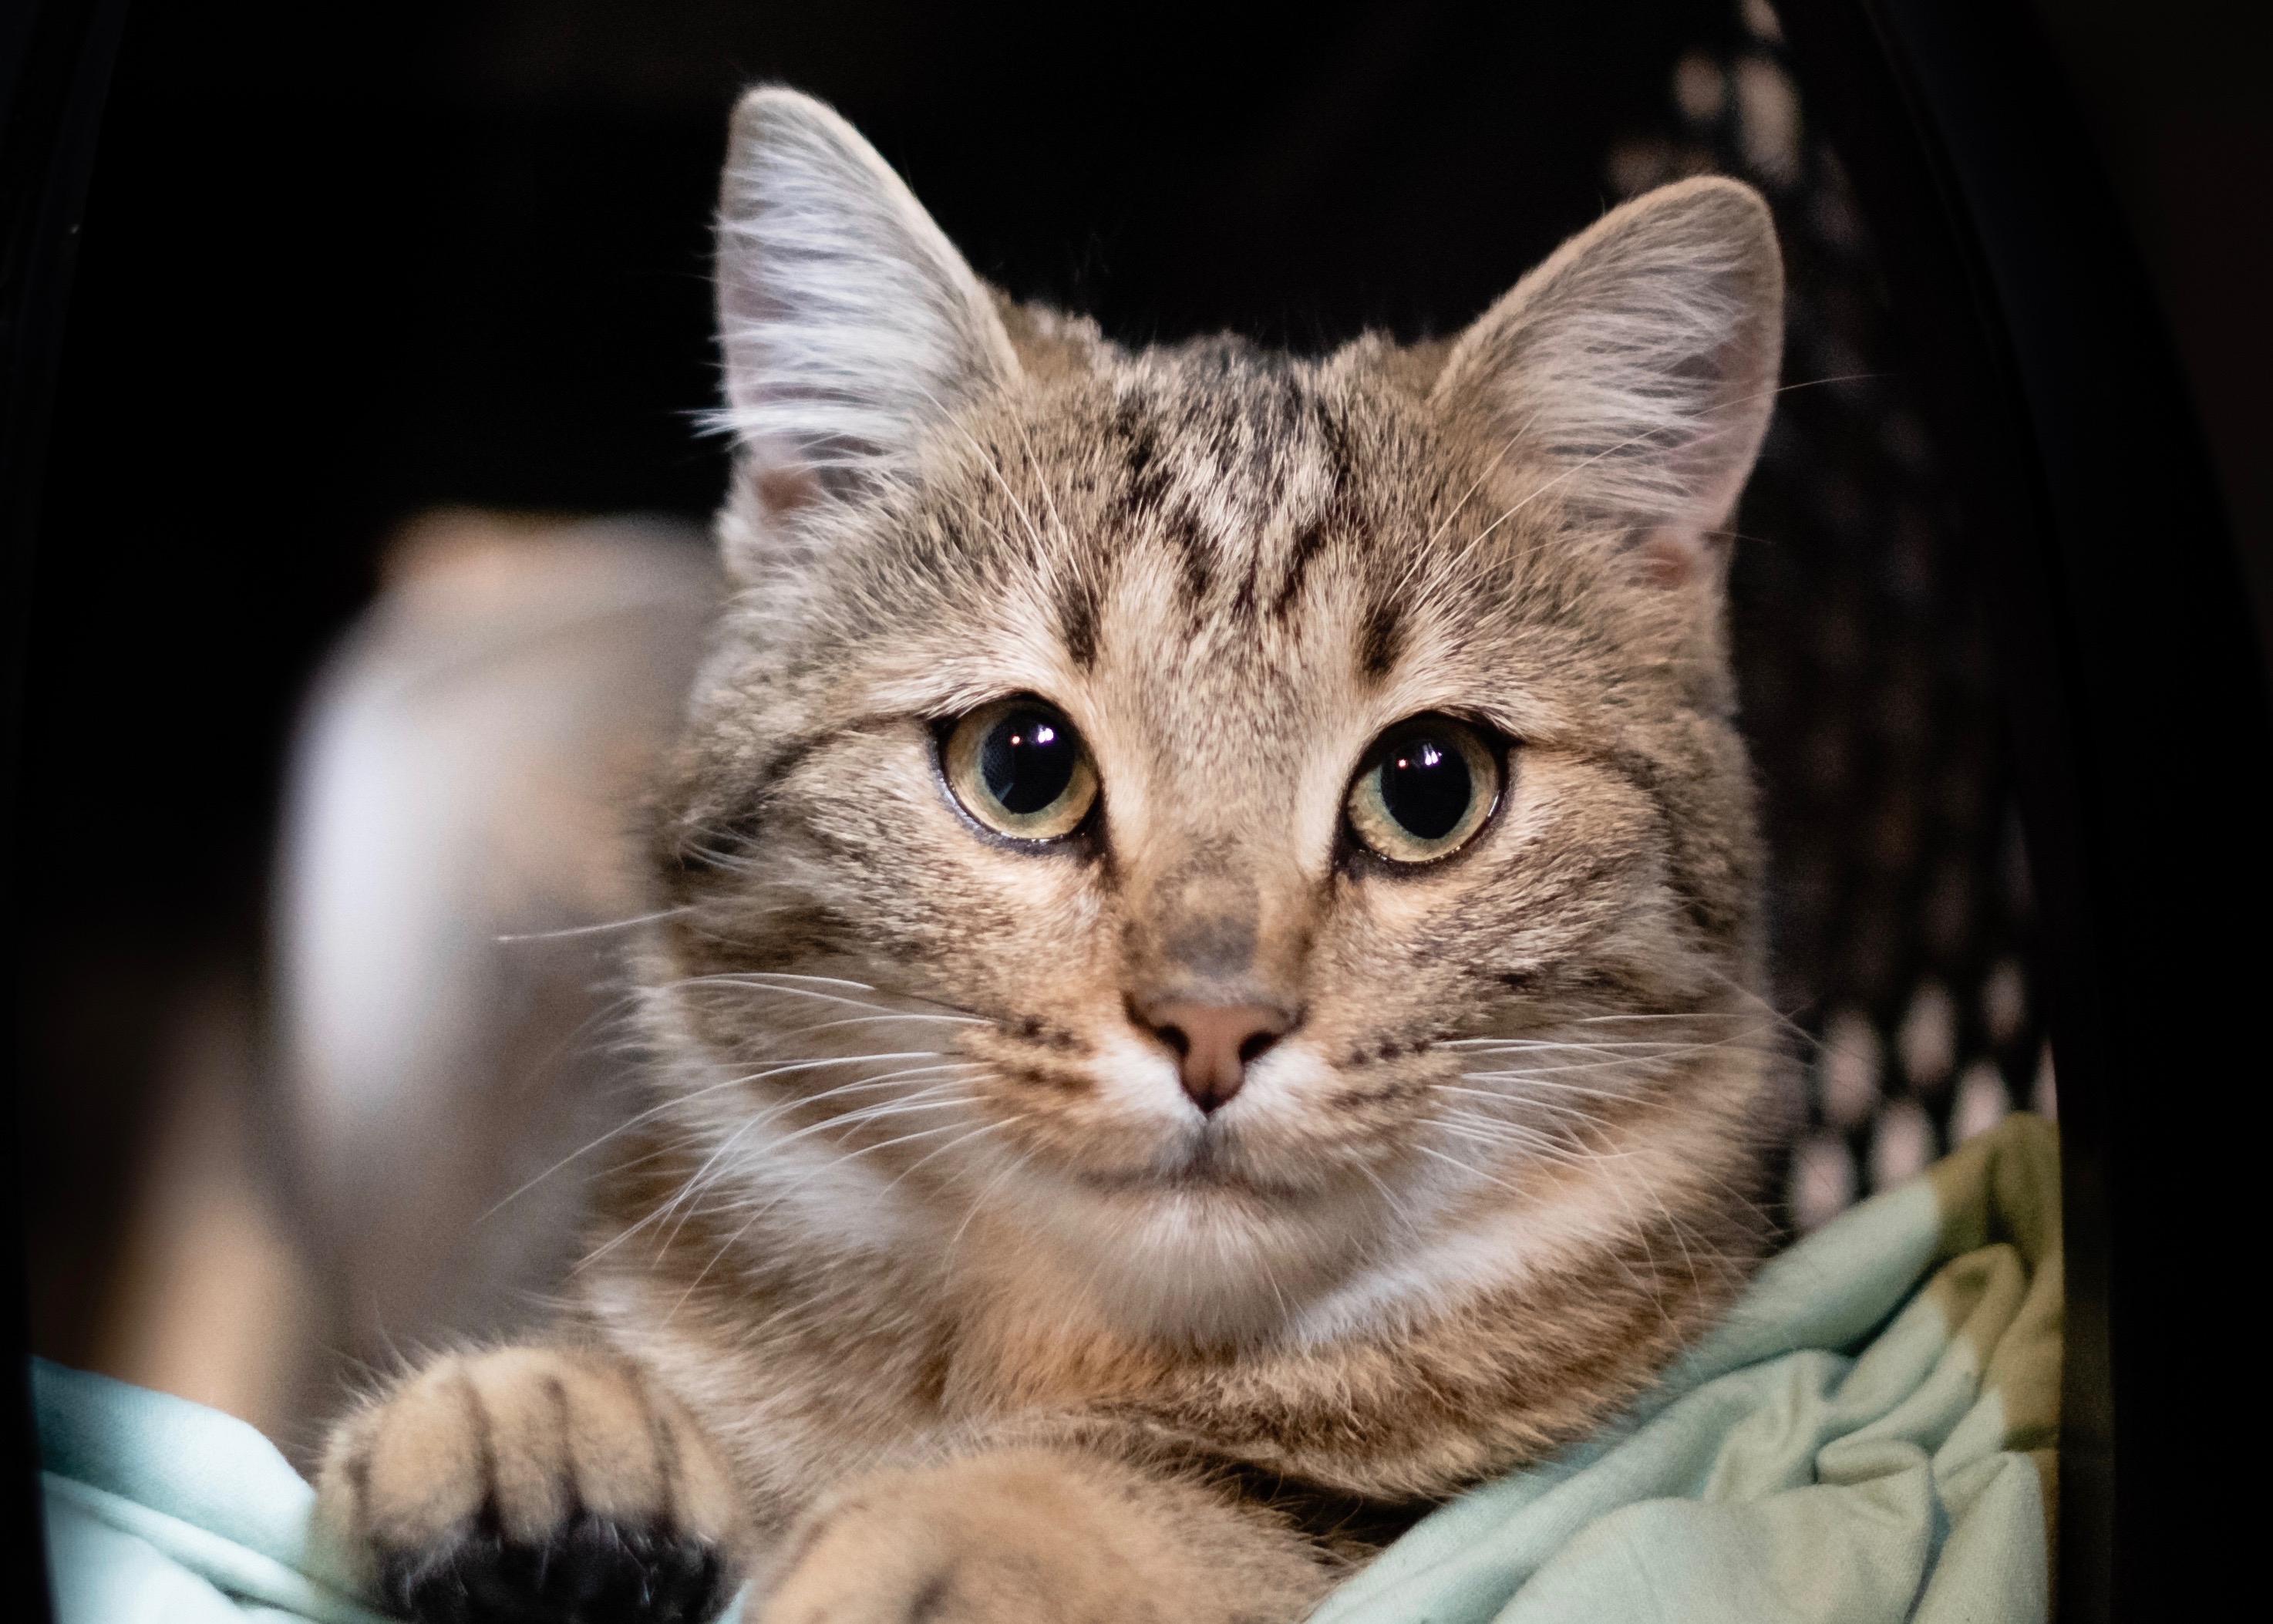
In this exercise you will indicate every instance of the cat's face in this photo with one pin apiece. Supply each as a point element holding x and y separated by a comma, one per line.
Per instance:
<point>1200,800</point>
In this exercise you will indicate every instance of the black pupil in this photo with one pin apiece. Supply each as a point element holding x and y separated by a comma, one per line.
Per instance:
<point>1027,761</point>
<point>1425,785</point>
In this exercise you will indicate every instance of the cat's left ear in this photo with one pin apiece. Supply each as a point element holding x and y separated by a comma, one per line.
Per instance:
<point>1631,376</point>
<point>851,326</point>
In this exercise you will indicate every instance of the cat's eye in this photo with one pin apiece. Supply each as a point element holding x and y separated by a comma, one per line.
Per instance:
<point>1425,789</point>
<point>1019,768</point>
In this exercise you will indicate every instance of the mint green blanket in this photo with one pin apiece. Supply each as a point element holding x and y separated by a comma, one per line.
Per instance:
<point>1868,1436</point>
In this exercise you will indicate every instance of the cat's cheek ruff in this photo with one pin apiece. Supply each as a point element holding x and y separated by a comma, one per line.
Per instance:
<point>809,1186</point>
<point>1468,1234</point>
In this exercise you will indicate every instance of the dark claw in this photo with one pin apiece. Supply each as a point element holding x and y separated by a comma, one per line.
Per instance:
<point>591,1572</point>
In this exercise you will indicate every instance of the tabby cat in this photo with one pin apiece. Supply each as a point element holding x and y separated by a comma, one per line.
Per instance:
<point>1205,992</point>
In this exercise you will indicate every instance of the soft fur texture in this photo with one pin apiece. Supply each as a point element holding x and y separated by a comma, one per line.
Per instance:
<point>921,1246</point>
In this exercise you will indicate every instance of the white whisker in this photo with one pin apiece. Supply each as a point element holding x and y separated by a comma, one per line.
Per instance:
<point>587,930</point>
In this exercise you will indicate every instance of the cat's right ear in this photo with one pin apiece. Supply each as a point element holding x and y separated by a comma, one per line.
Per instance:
<point>1632,375</point>
<point>850,324</point>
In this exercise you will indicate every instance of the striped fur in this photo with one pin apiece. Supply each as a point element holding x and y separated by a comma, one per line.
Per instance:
<point>980,1317</point>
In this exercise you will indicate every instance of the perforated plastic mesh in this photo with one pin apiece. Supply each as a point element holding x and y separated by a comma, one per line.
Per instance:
<point>1901,910</point>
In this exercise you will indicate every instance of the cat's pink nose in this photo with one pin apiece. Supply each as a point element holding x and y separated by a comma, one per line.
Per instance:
<point>1213,1043</point>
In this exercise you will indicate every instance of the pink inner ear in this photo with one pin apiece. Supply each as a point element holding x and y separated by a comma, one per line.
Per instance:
<point>1670,557</point>
<point>783,489</point>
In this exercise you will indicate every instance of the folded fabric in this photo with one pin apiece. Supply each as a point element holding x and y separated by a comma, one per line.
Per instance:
<point>163,1510</point>
<point>1869,1435</point>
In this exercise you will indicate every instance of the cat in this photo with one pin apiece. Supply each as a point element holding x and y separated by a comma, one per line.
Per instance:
<point>1206,992</point>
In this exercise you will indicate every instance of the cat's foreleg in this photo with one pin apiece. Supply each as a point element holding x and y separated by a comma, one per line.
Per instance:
<point>1033,1534</point>
<point>531,1483</point>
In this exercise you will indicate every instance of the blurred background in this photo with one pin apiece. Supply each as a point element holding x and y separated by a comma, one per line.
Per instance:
<point>371,560</point>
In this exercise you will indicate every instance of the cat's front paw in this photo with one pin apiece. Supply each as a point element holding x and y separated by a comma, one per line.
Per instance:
<point>1035,1537</point>
<point>971,1542</point>
<point>531,1484</point>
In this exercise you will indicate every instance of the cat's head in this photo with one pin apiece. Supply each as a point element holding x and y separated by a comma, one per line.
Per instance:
<point>1215,812</point>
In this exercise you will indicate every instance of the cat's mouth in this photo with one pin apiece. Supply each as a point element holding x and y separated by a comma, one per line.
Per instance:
<point>1210,1164</point>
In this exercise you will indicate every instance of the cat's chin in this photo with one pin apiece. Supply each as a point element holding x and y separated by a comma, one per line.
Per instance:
<point>1204,1239</point>
<point>1202,1251</point>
